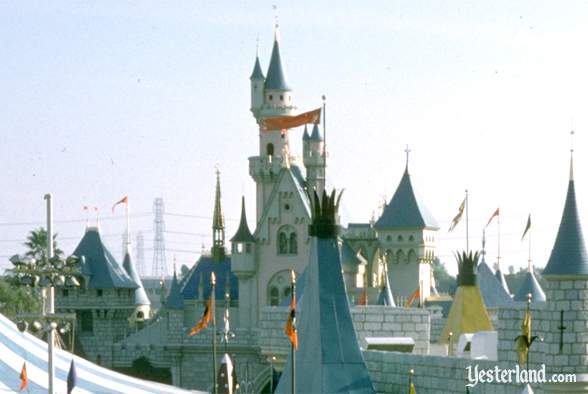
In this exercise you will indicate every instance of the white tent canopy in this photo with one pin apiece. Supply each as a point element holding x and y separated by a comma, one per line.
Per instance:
<point>17,348</point>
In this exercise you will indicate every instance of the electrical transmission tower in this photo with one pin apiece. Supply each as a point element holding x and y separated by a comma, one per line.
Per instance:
<point>159,264</point>
<point>140,253</point>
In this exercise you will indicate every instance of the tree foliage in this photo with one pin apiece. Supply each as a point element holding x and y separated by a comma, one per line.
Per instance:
<point>445,282</point>
<point>17,299</point>
<point>36,244</point>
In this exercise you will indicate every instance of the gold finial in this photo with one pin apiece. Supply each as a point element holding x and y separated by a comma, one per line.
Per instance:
<point>293,277</point>
<point>213,278</point>
<point>411,372</point>
<point>529,298</point>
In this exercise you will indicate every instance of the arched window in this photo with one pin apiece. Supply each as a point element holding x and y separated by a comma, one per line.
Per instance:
<point>293,246</point>
<point>279,288</point>
<point>412,257</point>
<point>287,240</point>
<point>269,149</point>
<point>274,298</point>
<point>399,256</point>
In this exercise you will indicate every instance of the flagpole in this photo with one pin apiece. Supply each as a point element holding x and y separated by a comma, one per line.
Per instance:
<point>467,222</point>
<point>128,227</point>
<point>213,310</point>
<point>529,260</point>
<point>292,348</point>
<point>325,140</point>
<point>498,256</point>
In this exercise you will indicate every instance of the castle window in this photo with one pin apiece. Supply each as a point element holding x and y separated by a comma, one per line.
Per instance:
<point>65,292</point>
<point>269,149</point>
<point>274,296</point>
<point>239,247</point>
<point>247,248</point>
<point>399,256</point>
<point>281,97</point>
<point>400,239</point>
<point>86,321</point>
<point>411,257</point>
<point>388,238</point>
<point>287,240</point>
<point>411,238</point>
<point>271,97</point>
<point>99,293</point>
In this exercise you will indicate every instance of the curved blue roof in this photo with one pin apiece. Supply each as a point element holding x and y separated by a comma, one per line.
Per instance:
<point>257,73</point>
<point>190,287</point>
<point>405,209</point>
<point>99,264</point>
<point>568,256</point>
<point>530,285</point>
<point>174,299</point>
<point>243,233</point>
<point>140,294</point>
<point>276,77</point>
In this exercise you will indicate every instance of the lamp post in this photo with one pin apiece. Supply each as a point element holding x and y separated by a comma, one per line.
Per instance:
<point>48,272</point>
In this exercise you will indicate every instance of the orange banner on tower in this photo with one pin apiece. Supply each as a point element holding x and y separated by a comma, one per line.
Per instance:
<point>288,122</point>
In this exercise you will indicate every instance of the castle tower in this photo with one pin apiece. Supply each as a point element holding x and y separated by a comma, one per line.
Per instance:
<point>243,266</point>
<point>218,224</point>
<point>314,159</point>
<point>567,297</point>
<point>406,234</point>
<point>275,99</point>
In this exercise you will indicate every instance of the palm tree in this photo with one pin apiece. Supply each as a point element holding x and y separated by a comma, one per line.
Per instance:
<point>37,244</point>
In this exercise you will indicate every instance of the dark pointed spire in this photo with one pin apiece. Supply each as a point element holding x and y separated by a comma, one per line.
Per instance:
<point>276,77</point>
<point>257,73</point>
<point>175,299</point>
<point>243,234</point>
<point>305,136</point>
<point>316,133</point>
<point>218,224</point>
<point>568,257</point>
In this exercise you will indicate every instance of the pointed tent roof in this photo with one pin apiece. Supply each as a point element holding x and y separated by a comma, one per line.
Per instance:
<point>140,294</point>
<point>385,296</point>
<point>468,312</point>
<point>316,133</point>
<point>243,234</point>
<point>257,73</point>
<point>568,256</point>
<point>175,299</point>
<point>502,280</point>
<point>328,359</point>
<point>348,256</point>
<point>492,291</point>
<point>530,285</point>
<point>405,209</point>
<point>199,275</point>
<point>276,77</point>
<point>99,264</point>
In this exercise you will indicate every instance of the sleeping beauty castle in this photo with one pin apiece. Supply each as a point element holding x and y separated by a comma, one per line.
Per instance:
<point>368,312</point>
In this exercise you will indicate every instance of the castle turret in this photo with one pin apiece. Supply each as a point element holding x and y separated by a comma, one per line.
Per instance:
<point>257,81</point>
<point>273,144</point>
<point>314,159</point>
<point>218,225</point>
<point>567,280</point>
<point>243,265</point>
<point>406,234</point>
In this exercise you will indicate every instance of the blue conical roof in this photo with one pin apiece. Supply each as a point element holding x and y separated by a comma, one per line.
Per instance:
<point>276,77</point>
<point>140,294</point>
<point>99,265</point>
<point>328,359</point>
<point>406,209</point>
<point>385,296</point>
<point>492,291</point>
<point>257,73</point>
<point>316,133</point>
<point>305,136</point>
<point>502,280</point>
<point>532,286</point>
<point>175,299</point>
<point>568,257</point>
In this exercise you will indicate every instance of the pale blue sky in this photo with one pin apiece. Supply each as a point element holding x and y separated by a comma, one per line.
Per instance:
<point>103,99</point>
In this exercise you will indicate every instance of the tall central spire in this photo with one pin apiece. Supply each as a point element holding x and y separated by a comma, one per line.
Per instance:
<point>218,224</point>
<point>276,76</point>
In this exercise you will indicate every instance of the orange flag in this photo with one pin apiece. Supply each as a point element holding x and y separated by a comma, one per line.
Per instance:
<point>24,380</point>
<point>363,298</point>
<point>290,329</point>
<point>206,317</point>
<point>287,122</point>
<point>124,200</point>
<point>496,213</point>
<point>413,297</point>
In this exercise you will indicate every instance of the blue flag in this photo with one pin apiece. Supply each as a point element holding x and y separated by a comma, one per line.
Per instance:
<point>72,377</point>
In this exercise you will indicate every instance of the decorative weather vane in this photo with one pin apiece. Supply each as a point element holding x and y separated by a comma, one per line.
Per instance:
<point>407,150</point>
<point>276,24</point>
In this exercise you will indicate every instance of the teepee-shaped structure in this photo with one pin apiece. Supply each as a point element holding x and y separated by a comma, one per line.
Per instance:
<point>328,359</point>
<point>468,313</point>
